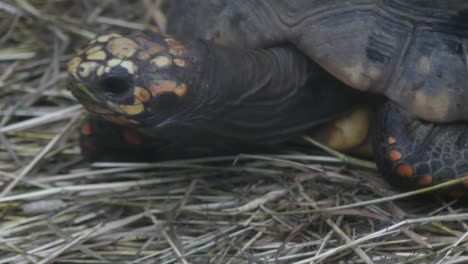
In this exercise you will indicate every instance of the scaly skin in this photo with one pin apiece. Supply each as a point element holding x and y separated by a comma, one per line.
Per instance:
<point>415,154</point>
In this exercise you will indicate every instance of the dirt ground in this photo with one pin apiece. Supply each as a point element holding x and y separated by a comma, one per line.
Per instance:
<point>298,206</point>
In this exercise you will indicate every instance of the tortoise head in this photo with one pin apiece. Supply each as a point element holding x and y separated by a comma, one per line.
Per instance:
<point>131,81</point>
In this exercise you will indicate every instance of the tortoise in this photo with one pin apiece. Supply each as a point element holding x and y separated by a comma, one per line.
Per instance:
<point>237,72</point>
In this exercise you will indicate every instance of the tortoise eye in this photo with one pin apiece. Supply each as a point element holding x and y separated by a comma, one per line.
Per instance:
<point>115,87</point>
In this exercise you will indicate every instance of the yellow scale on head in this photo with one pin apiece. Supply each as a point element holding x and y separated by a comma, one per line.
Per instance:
<point>100,70</point>
<point>148,49</point>
<point>120,120</point>
<point>93,49</point>
<point>122,47</point>
<point>85,68</point>
<point>161,61</point>
<point>73,67</point>
<point>129,66</point>
<point>180,62</point>
<point>141,95</point>
<point>134,109</point>
<point>98,56</point>
<point>105,38</point>
<point>177,48</point>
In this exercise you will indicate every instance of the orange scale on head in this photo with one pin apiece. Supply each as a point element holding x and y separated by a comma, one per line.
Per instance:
<point>180,62</point>
<point>174,43</point>
<point>141,94</point>
<point>132,138</point>
<point>177,52</point>
<point>176,48</point>
<point>149,47</point>
<point>391,140</point>
<point>162,86</point>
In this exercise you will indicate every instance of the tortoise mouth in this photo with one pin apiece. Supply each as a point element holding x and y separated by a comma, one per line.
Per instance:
<point>88,103</point>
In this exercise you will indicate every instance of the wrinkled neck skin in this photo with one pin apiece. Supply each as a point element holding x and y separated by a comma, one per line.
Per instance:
<point>236,79</point>
<point>239,93</point>
<point>253,95</point>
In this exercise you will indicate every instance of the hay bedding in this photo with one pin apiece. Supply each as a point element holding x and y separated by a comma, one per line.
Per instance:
<point>297,206</point>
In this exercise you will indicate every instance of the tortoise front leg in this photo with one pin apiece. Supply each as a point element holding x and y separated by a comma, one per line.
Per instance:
<point>104,141</point>
<point>101,140</point>
<point>414,154</point>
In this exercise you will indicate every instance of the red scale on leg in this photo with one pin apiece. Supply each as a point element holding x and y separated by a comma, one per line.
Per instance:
<point>404,170</point>
<point>394,155</point>
<point>132,138</point>
<point>86,129</point>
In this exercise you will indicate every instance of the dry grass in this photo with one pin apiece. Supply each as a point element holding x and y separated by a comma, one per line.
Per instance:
<point>294,207</point>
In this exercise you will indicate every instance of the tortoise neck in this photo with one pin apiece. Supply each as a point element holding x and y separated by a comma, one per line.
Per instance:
<point>233,76</point>
<point>254,95</point>
<point>258,95</point>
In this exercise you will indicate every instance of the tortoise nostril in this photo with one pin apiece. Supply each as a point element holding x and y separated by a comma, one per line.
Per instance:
<point>115,87</point>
